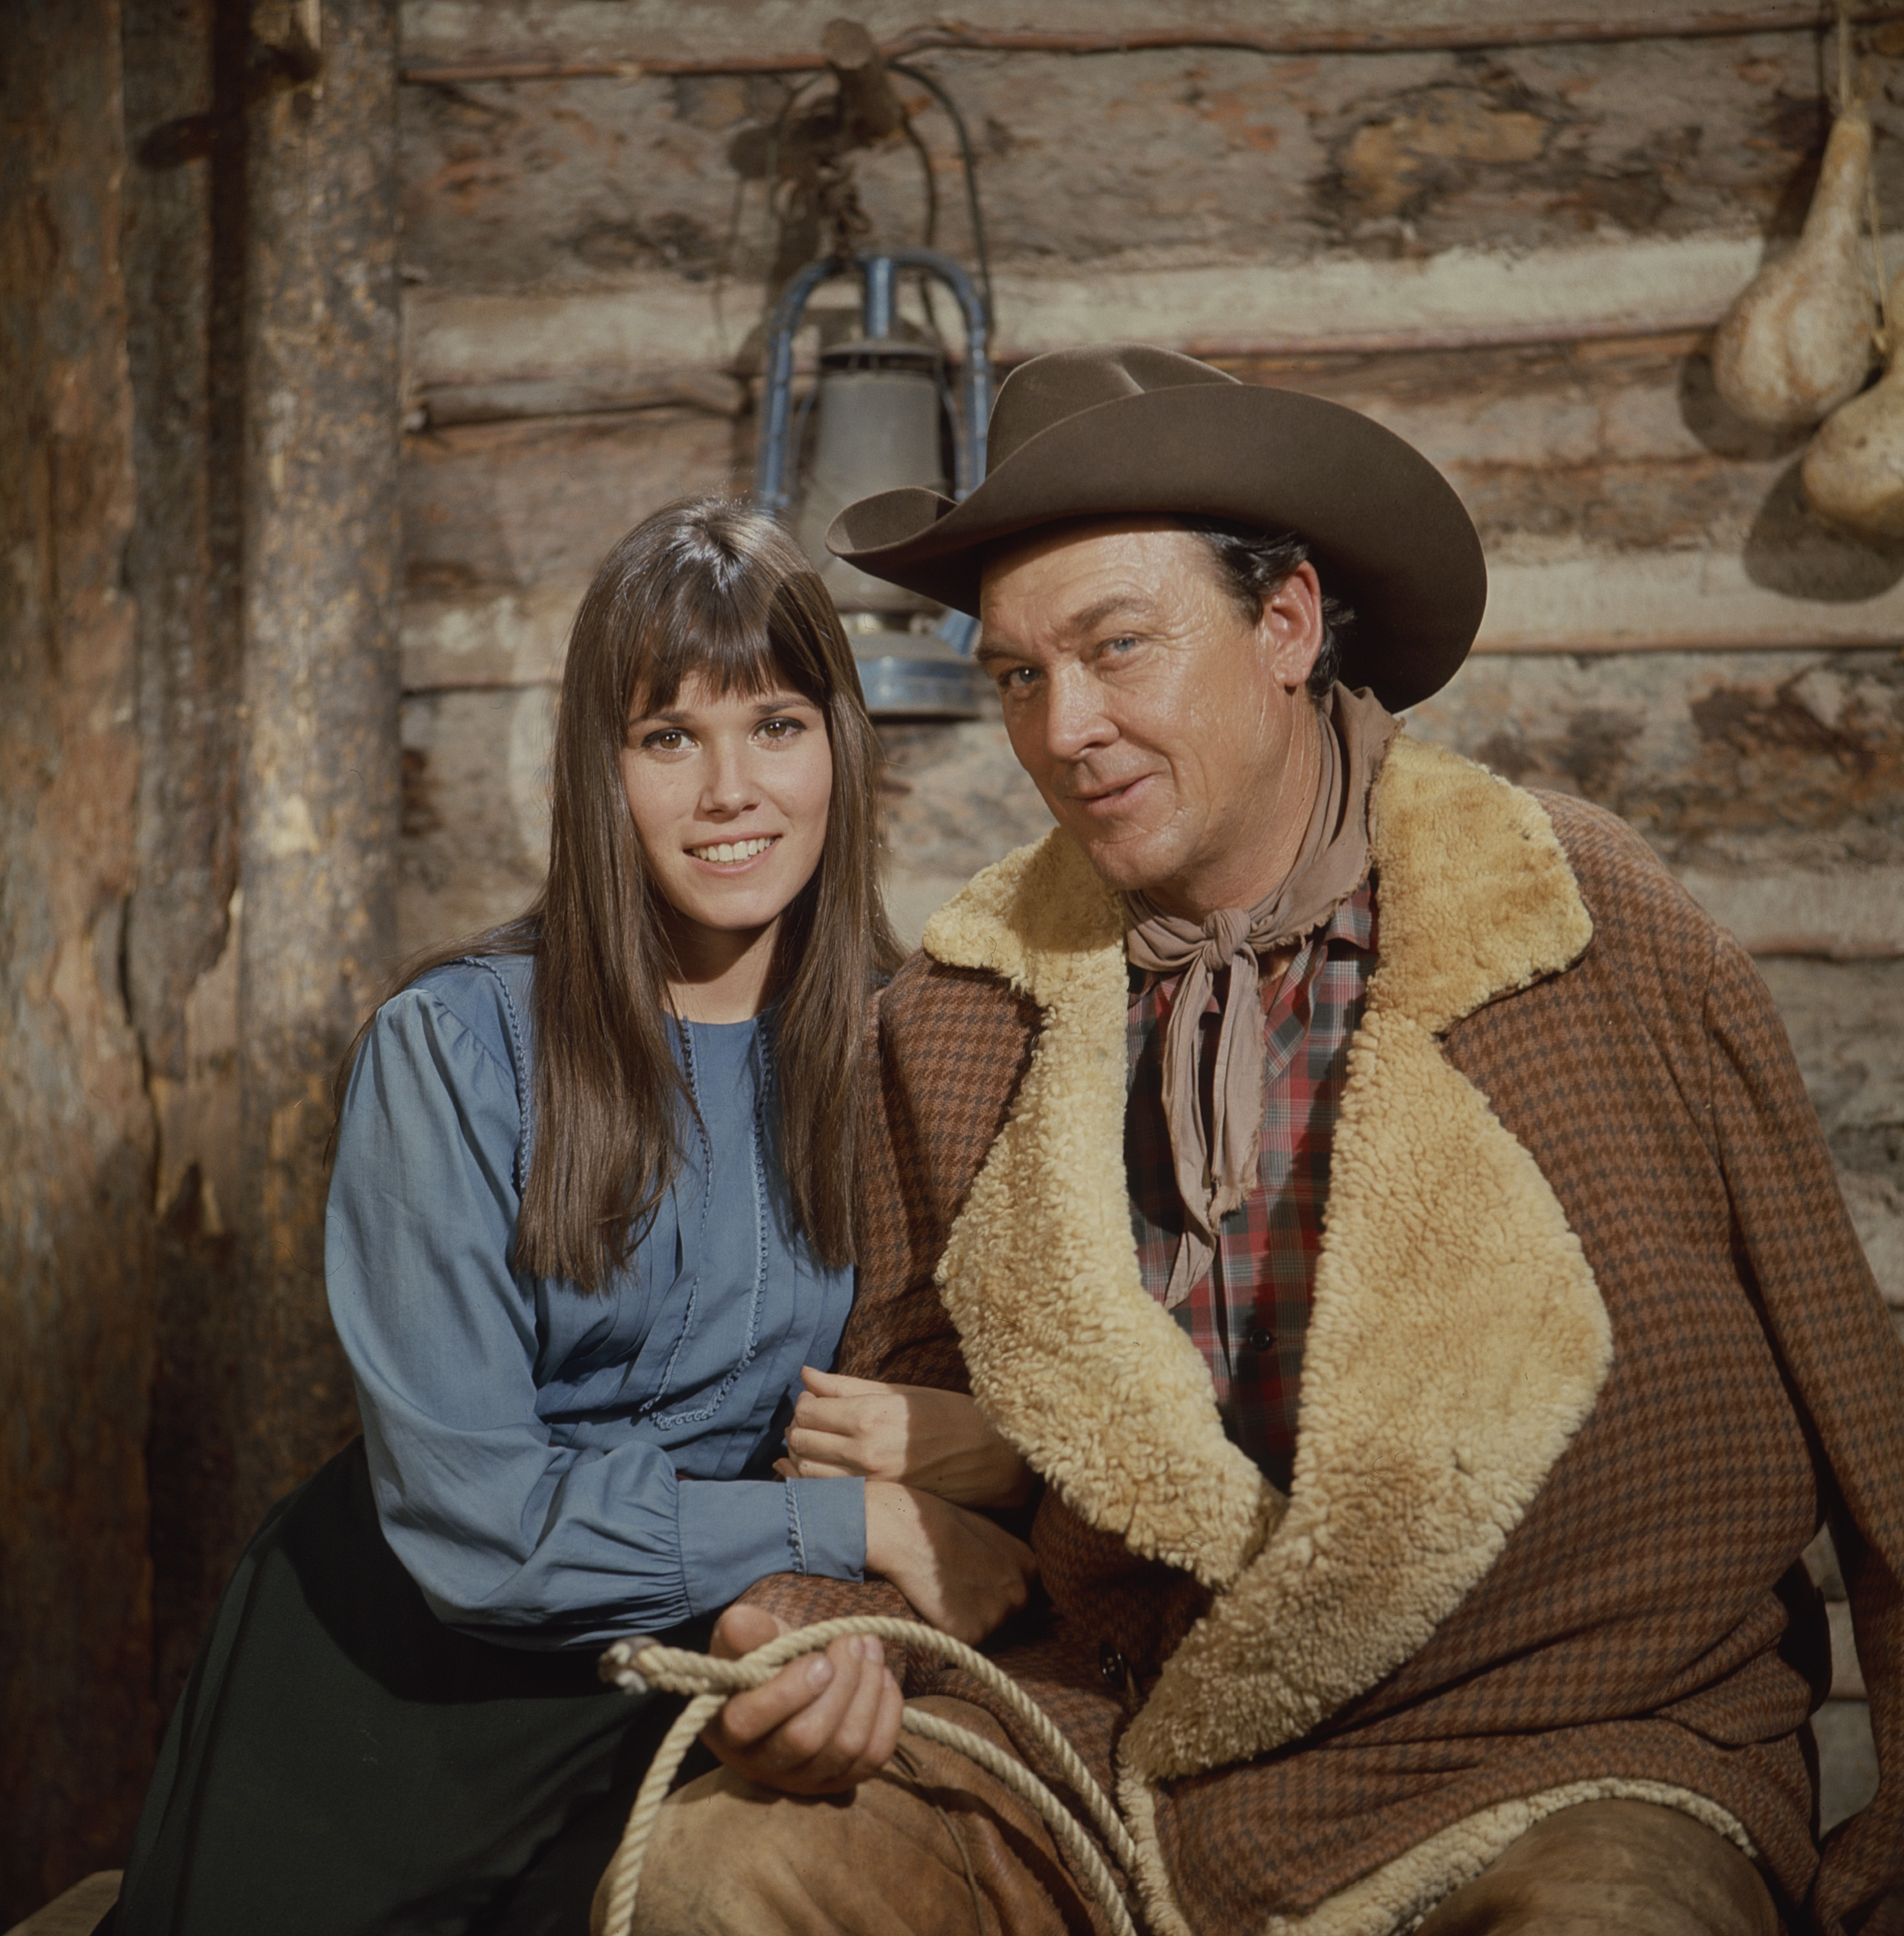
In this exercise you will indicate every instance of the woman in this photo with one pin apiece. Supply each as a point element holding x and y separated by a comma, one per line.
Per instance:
<point>590,1214</point>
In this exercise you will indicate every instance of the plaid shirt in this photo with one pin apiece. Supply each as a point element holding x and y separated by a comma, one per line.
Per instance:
<point>1249,1312</point>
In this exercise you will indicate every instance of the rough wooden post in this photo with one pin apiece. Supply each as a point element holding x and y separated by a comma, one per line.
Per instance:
<point>184,259</point>
<point>320,768</point>
<point>76,1714</point>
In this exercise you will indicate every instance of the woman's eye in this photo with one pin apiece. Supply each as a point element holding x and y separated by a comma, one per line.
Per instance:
<point>666,739</point>
<point>779,729</point>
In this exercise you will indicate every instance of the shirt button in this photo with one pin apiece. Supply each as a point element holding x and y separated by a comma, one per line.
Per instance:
<point>1112,1665</point>
<point>1259,1339</point>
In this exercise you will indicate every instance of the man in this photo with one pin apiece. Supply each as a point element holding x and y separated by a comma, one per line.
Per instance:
<point>1381,1210</point>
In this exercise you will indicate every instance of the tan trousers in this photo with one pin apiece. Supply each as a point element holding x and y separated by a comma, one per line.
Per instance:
<point>942,1850</point>
<point>932,1847</point>
<point>1605,1866</point>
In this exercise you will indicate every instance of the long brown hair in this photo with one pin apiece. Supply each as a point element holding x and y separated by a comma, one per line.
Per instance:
<point>709,586</point>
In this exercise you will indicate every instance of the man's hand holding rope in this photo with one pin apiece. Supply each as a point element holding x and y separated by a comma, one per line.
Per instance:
<point>828,1721</point>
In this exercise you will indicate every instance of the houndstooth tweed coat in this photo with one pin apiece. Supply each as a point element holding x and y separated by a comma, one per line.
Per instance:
<point>1593,1352</point>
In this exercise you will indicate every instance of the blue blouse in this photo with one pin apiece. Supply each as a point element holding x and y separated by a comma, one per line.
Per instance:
<point>556,1468</point>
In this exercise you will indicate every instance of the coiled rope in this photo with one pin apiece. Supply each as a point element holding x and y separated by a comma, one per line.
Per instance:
<point>636,1665</point>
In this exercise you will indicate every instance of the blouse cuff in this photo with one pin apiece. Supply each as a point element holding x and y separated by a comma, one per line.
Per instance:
<point>734,1531</point>
<point>826,1527</point>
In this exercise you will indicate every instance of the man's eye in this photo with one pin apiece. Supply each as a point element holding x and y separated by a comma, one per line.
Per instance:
<point>1123,642</point>
<point>1016,679</point>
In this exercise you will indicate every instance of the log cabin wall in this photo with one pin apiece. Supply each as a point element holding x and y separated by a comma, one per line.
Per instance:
<point>1506,228</point>
<point>1511,247</point>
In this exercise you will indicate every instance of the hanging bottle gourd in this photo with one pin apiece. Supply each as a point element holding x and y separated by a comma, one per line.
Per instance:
<point>1797,342</point>
<point>1853,472</point>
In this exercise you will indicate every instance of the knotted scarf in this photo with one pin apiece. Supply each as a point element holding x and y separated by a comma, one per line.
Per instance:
<point>1214,1165</point>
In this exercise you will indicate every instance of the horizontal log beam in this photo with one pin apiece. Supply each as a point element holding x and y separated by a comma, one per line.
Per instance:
<point>1849,914</point>
<point>1289,43</point>
<point>662,337</point>
<point>1671,602</point>
<point>1275,161</point>
<point>581,393</point>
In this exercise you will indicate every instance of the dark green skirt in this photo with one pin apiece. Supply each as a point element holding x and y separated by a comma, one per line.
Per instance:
<point>342,1763</point>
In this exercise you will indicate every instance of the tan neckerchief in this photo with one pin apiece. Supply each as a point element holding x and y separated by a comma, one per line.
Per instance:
<point>1214,1166</point>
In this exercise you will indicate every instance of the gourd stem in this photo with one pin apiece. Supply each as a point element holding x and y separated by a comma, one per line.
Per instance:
<point>1872,220</point>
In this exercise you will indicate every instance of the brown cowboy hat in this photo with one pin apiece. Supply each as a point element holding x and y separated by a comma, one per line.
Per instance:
<point>1122,430</point>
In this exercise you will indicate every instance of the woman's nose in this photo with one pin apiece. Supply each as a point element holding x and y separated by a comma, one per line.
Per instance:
<point>727,786</point>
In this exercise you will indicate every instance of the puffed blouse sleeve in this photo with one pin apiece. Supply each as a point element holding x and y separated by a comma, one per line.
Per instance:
<point>509,1531</point>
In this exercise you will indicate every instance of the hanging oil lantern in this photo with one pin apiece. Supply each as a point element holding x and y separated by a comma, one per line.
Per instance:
<point>882,405</point>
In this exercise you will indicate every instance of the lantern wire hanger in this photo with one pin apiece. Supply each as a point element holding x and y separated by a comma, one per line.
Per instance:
<point>882,412</point>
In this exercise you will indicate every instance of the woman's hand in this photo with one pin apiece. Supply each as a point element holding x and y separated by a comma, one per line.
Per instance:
<point>937,1441</point>
<point>960,1572</point>
<point>822,1724</point>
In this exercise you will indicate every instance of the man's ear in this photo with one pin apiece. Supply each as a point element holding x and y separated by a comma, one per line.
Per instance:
<point>1290,627</point>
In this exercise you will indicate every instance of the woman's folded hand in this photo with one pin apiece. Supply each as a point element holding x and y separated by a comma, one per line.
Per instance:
<point>961,1572</point>
<point>936,1442</point>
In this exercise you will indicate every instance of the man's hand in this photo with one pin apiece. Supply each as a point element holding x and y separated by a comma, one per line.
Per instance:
<point>937,1441</point>
<point>822,1725</point>
<point>827,1721</point>
<point>960,1572</point>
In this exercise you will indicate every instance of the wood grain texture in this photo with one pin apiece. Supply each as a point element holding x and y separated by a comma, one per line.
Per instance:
<point>184,190</point>
<point>319,785</point>
<point>76,1131</point>
<point>1155,158</point>
<point>635,30</point>
<point>517,506</point>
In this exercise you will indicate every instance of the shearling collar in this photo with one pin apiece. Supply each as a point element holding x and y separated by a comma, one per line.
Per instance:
<point>1477,897</point>
<point>1458,1339</point>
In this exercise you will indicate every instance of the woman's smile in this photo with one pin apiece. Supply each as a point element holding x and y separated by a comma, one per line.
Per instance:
<point>731,855</point>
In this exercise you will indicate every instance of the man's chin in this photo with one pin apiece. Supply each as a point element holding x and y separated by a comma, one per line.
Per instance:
<point>1129,864</point>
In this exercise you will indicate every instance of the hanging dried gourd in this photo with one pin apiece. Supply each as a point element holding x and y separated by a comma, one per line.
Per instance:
<point>1797,342</point>
<point>1853,472</point>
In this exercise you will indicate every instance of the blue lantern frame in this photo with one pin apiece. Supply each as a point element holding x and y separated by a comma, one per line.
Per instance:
<point>773,488</point>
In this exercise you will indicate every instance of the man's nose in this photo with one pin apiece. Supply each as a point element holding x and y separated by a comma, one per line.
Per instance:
<point>1076,721</point>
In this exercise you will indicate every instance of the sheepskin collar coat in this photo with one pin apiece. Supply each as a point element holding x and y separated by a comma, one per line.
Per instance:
<point>1593,1349</point>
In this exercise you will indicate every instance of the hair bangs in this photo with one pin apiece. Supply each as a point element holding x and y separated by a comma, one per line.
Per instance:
<point>696,631</point>
<point>727,616</point>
